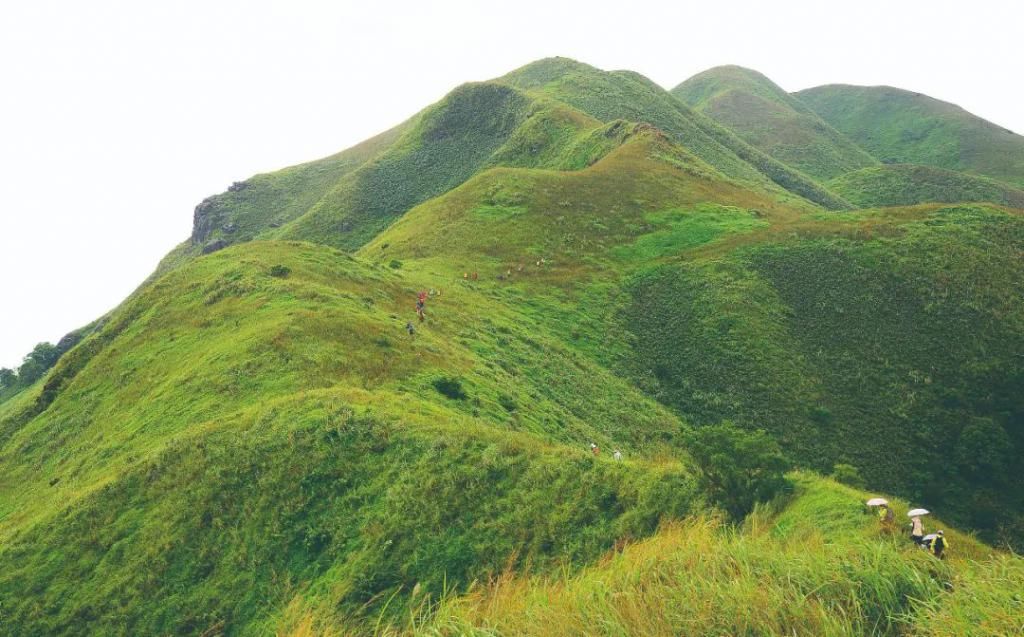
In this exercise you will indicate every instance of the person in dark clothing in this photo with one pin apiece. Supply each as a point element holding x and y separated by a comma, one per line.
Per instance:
<point>938,544</point>
<point>409,327</point>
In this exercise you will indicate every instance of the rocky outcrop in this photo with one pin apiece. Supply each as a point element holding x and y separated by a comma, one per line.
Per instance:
<point>213,246</point>
<point>204,220</point>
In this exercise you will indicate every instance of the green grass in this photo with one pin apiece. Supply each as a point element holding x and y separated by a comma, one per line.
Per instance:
<point>771,120</point>
<point>677,230</point>
<point>626,95</point>
<point>903,127</point>
<point>856,350</point>
<point>817,564</point>
<point>252,443</point>
<point>907,184</point>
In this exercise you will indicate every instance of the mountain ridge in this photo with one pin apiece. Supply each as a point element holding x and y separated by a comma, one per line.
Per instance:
<point>375,428</point>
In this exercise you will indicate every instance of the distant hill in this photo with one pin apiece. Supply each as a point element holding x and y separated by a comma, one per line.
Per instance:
<point>770,119</point>
<point>907,184</point>
<point>898,126</point>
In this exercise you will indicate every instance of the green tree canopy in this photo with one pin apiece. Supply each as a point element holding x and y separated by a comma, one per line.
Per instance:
<point>737,468</point>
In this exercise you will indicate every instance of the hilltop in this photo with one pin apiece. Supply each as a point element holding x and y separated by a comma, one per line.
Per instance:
<point>265,438</point>
<point>899,126</point>
<point>770,119</point>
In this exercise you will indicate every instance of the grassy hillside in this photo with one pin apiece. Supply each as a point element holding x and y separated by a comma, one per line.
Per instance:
<point>862,341</point>
<point>630,96</point>
<point>290,432</point>
<point>816,564</point>
<point>263,202</point>
<point>903,127</point>
<point>908,184</point>
<point>345,200</point>
<point>773,121</point>
<point>254,443</point>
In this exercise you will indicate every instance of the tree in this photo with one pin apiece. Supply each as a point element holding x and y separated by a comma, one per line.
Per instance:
<point>37,362</point>
<point>984,451</point>
<point>848,474</point>
<point>737,468</point>
<point>8,378</point>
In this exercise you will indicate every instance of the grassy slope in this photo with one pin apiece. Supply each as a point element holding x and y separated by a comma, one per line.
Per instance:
<point>264,201</point>
<point>818,328</point>
<point>305,424</point>
<point>816,565</point>
<point>630,96</point>
<point>821,329</point>
<point>908,184</point>
<point>898,126</point>
<point>863,340</point>
<point>231,442</point>
<point>771,120</point>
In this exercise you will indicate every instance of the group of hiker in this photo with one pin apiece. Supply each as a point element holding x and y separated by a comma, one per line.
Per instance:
<point>421,309</point>
<point>594,449</point>
<point>935,543</point>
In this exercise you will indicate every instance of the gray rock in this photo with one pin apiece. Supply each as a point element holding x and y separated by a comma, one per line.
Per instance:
<point>213,246</point>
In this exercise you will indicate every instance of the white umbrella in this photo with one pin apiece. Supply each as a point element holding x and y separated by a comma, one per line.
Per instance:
<point>913,513</point>
<point>929,538</point>
<point>877,502</point>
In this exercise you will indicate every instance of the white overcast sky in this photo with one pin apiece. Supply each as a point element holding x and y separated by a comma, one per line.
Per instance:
<point>116,118</point>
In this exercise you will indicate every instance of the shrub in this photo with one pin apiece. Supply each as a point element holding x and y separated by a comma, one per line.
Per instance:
<point>450,387</point>
<point>395,264</point>
<point>280,271</point>
<point>737,468</point>
<point>507,402</point>
<point>848,474</point>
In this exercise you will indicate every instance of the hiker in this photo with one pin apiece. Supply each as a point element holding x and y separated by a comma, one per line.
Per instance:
<point>409,327</point>
<point>617,455</point>
<point>938,544</point>
<point>916,530</point>
<point>885,515</point>
<point>594,449</point>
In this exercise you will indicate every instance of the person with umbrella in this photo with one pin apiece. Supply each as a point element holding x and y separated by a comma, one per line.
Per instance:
<point>916,528</point>
<point>885,513</point>
<point>936,543</point>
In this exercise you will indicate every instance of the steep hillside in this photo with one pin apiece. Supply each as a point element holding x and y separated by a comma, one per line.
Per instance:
<point>630,96</point>
<point>820,329</point>
<point>908,184</point>
<point>818,565</point>
<point>262,414</point>
<point>903,127</point>
<point>773,121</point>
<point>344,200</point>
<point>263,202</point>
<point>267,438</point>
<point>888,340</point>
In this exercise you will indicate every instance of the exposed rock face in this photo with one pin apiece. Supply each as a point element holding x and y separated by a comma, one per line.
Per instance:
<point>213,246</point>
<point>204,220</point>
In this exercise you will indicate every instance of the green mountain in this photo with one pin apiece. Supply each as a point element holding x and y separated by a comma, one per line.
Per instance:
<point>903,127</point>
<point>773,121</point>
<point>267,439</point>
<point>908,184</point>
